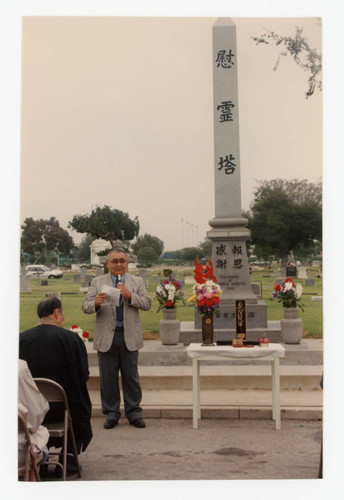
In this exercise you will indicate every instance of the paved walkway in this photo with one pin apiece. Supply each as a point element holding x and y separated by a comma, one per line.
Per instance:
<point>220,449</point>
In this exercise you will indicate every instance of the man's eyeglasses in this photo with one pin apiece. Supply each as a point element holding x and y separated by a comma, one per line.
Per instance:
<point>116,261</point>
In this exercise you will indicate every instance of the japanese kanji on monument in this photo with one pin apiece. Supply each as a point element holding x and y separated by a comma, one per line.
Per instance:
<point>229,231</point>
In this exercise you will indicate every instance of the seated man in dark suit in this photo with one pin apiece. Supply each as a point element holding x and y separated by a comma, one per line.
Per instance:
<point>58,354</point>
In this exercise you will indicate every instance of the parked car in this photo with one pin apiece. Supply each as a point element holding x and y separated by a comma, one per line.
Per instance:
<point>42,271</point>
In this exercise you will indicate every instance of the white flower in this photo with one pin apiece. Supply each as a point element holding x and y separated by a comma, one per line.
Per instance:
<point>298,291</point>
<point>288,286</point>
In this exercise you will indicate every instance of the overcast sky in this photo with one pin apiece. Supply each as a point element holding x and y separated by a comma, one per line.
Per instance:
<point>119,111</point>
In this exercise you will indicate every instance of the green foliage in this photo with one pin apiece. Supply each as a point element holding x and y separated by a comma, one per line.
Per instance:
<point>167,272</point>
<point>147,255</point>
<point>108,224</point>
<point>41,236</point>
<point>84,253</point>
<point>148,241</point>
<point>298,48</point>
<point>285,216</point>
<point>206,247</point>
<point>190,253</point>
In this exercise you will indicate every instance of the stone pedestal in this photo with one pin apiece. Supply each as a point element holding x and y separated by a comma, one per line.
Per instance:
<point>291,326</point>
<point>169,327</point>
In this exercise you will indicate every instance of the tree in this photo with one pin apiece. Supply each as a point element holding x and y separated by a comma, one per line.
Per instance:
<point>41,236</point>
<point>108,224</point>
<point>147,255</point>
<point>190,253</point>
<point>298,48</point>
<point>285,216</point>
<point>148,241</point>
<point>206,247</point>
<point>84,254</point>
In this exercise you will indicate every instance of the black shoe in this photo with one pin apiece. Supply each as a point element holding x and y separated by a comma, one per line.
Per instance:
<point>138,422</point>
<point>110,423</point>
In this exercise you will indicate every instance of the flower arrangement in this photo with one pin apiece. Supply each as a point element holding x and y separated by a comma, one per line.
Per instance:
<point>168,293</point>
<point>206,291</point>
<point>83,335</point>
<point>289,294</point>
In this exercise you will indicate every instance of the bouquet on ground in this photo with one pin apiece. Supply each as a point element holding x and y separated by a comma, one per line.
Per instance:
<point>206,291</point>
<point>289,294</point>
<point>83,335</point>
<point>168,293</point>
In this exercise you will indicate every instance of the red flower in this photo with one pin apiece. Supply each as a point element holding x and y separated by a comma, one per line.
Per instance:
<point>166,282</point>
<point>290,280</point>
<point>277,287</point>
<point>74,326</point>
<point>85,335</point>
<point>169,303</point>
<point>199,272</point>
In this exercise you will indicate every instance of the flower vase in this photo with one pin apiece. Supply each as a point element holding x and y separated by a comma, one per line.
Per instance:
<point>208,329</point>
<point>291,326</point>
<point>169,327</point>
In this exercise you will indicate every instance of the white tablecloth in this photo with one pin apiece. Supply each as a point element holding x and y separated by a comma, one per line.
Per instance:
<point>198,350</point>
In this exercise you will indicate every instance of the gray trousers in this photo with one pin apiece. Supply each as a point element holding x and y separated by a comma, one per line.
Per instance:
<point>116,359</point>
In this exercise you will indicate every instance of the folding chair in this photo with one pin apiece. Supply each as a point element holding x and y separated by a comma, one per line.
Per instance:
<point>54,393</point>
<point>31,460</point>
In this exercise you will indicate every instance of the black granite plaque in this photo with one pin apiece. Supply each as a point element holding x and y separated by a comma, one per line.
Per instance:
<point>240,319</point>
<point>291,271</point>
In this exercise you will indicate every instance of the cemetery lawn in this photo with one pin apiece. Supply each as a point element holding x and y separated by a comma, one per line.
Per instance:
<point>72,299</point>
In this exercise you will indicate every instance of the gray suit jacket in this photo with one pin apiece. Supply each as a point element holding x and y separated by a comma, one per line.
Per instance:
<point>106,313</point>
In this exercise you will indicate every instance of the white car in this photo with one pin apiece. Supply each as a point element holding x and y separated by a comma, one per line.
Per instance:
<point>42,271</point>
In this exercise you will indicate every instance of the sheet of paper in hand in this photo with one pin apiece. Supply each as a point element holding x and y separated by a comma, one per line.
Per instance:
<point>113,294</point>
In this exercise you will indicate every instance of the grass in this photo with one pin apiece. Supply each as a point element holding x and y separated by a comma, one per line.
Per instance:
<point>72,299</point>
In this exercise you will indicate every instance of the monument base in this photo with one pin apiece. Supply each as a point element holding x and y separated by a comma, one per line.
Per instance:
<point>190,334</point>
<point>256,316</point>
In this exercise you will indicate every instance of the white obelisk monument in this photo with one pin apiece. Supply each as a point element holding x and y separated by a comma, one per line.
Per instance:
<point>229,231</point>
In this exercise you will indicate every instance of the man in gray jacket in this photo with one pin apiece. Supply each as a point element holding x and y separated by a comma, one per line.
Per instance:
<point>118,337</point>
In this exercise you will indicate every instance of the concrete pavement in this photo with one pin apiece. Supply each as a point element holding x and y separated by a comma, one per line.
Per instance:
<point>220,449</point>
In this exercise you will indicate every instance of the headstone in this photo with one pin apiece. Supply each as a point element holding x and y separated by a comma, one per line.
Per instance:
<point>302,272</point>
<point>53,294</point>
<point>276,273</point>
<point>99,272</point>
<point>189,280</point>
<point>83,272</point>
<point>291,271</point>
<point>143,275</point>
<point>256,289</point>
<point>316,263</point>
<point>89,278</point>
<point>229,232</point>
<point>24,281</point>
<point>76,278</point>
<point>44,282</point>
<point>309,282</point>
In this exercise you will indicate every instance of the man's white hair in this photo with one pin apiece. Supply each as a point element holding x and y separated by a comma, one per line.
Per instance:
<point>116,250</point>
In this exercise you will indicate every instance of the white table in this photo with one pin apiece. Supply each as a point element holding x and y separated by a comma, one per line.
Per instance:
<point>273,353</point>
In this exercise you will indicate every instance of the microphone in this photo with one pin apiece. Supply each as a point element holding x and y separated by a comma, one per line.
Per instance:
<point>119,279</point>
